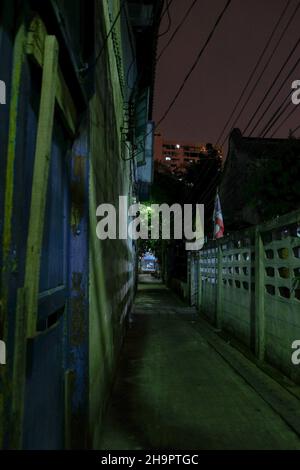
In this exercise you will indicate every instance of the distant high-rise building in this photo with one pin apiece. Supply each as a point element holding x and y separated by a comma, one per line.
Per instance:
<point>178,156</point>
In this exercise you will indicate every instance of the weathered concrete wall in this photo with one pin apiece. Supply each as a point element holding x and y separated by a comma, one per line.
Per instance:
<point>111,266</point>
<point>253,291</point>
<point>282,302</point>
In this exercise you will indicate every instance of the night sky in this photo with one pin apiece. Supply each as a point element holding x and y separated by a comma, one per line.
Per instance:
<point>211,93</point>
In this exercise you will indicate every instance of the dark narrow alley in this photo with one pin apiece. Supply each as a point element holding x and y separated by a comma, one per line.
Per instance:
<point>149,227</point>
<point>174,390</point>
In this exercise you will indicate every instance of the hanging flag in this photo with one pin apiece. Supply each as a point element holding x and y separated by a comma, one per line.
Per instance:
<point>218,219</point>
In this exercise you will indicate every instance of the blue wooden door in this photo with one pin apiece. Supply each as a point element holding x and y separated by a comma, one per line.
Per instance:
<point>44,396</point>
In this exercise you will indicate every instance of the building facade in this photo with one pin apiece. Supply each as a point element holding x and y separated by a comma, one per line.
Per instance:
<point>177,156</point>
<point>77,75</point>
<point>258,179</point>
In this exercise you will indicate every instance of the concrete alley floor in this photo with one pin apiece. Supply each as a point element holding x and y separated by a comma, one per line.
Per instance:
<point>174,390</point>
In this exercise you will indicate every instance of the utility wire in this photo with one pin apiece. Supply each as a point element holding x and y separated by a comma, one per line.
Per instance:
<point>202,176</point>
<point>278,113</point>
<point>194,65</point>
<point>167,10</point>
<point>91,66</point>
<point>191,70</point>
<point>207,192</point>
<point>204,194</point>
<point>270,89</point>
<point>255,69</point>
<point>296,129</point>
<point>199,180</point>
<point>266,66</point>
<point>133,51</point>
<point>213,182</point>
<point>177,29</point>
<point>278,91</point>
<point>284,121</point>
<point>138,77</point>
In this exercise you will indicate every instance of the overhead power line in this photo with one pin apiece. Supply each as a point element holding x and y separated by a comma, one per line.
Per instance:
<point>91,66</point>
<point>264,69</point>
<point>270,89</point>
<point>138,77</point>
<point>188,75</point>
<point>278,113</point>
<point>284,82</point>
<point>167,10</point>
<point>295,130</point>
<point>212,184</point>
<point>292,17</point>
<point>254,70</point>
<point>177,29</point>
<point>171,38</point>
<point>194,65</point>
<point>285,120</point>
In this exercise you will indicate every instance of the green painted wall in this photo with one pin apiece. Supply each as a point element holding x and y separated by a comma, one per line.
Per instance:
<point>111,275</point>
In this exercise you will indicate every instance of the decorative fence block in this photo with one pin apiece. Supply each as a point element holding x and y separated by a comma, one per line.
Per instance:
<point>248,284</point>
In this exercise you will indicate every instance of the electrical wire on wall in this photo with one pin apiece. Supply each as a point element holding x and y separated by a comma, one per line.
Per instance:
<point>89,67</point>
